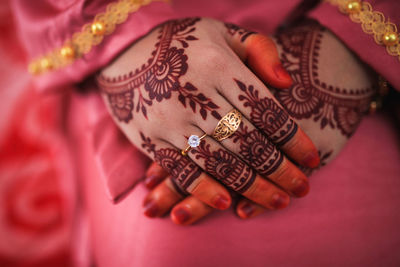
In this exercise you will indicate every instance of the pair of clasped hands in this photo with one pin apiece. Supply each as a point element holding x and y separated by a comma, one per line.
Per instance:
<point>185,76</point>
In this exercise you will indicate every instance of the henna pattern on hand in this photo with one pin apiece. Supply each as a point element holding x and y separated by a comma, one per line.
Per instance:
<point>225,167</point>
<point>267,116</point>
<point>159,77</point>
<point>236,30</point>
<point>257,151</point>
<point>182,170</point>
<point>309,97</point>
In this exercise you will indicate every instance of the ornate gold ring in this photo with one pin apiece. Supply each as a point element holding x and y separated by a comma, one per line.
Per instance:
<point>227,125</point>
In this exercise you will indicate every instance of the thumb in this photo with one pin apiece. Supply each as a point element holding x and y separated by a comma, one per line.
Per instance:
<point>260,54</point>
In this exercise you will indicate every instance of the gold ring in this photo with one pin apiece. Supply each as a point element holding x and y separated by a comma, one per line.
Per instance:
<point>193,141</point>
<point>227,125</point>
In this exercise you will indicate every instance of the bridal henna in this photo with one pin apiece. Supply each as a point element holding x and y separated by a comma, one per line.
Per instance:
<point>182,170</point>
<point>159,78</point>
<point>267,115</point>
<point>310,97</point>
<point>226,167</point>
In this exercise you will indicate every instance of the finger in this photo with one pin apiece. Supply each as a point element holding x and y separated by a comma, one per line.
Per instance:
<point>161,199</point>
<point>230,170</point>
<point>189,211</point>
<point>155,174</point>
<point>256,150</point>
<point>210,192</point>
<point>258,105</point>
<point>247,209</point>
<point>260,53</point>
<point>189,178</point>
<point>262,155</point>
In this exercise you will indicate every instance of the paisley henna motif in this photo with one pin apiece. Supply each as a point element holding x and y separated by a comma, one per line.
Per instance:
<point>159,77</point>
<point>267,116</point>
<point>309,97</point>
<point>257,151</point>
<point>225,167</point>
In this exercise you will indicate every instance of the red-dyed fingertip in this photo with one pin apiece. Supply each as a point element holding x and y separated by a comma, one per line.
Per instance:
<point>311,160</point>
<point>221,202</point>
<point>180,216</point>
<point>150,209</point>
<point>283,77</point>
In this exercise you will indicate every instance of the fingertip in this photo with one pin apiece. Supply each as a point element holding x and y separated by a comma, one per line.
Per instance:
<point>246,210</point>
<point>301,188</point>
<point>280,201</point>
<point>263,58</point>
<point>311,160</point>
<point>180,216</point>
<point>222,202</point>
<point>284,80</point>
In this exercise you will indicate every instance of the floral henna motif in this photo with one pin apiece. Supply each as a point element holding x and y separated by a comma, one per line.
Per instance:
<point>225,167</point>
<point>309,97</point>
<point>182,170</point>
<point>267,116</point>
<point>159,78</point>
<point>257,151</point>
<point>236,30</point>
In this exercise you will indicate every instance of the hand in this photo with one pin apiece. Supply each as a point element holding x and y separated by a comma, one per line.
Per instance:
<point>331,92</point>
<point>192,78</point>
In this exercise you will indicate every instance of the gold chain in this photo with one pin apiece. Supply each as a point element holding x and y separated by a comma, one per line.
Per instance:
<point>372,22</point>
<point>90,35</point>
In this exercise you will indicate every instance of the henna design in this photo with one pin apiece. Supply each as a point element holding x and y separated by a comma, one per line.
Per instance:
<point>267,116</point>
<point>159,77</point>
<point>182,170</point>
<point>257,151</point>
<point>236,30</point>
<point>225,167</point>
<point>309,97</point>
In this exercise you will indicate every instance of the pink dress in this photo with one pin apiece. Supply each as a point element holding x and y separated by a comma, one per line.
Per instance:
<point>350,218</point>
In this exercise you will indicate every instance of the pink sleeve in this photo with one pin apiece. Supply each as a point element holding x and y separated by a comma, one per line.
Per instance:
<point>46,24</point>
<point>363,44</point>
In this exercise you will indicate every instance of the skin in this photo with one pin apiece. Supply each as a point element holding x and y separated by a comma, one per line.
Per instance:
<point>160,91</point>
<point>328,109</point>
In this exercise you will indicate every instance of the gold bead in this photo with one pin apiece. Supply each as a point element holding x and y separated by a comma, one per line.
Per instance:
<point>45,64</point>
<point>98,28</point>
<point>353,7</point>
<point>34,68</point>
<point>67,52</point>
<point>390,38</point>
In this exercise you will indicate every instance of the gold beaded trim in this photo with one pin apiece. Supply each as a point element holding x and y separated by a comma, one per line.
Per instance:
<point>91,34</point>
<point>372,22</point>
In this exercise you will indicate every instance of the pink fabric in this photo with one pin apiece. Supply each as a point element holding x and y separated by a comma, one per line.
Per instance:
<point>350,218</point>
<point>45,25</point>
<point>121,165</point>
<point>361,43</point>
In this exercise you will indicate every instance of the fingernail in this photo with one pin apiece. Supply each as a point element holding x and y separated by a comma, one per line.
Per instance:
<point>247,209</point>
<point>221,202</point>
<point>150,209</point>
<point>279,201</point>
<point>300,188</point>
<point>151,181</point>
<point>311,160</point>
<point>181,215</point>
<point>280,72</point>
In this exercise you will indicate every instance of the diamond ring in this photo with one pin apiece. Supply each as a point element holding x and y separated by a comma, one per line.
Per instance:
<point>193,141</point>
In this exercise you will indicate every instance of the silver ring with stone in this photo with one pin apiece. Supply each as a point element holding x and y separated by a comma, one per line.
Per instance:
<point>193,141</point>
